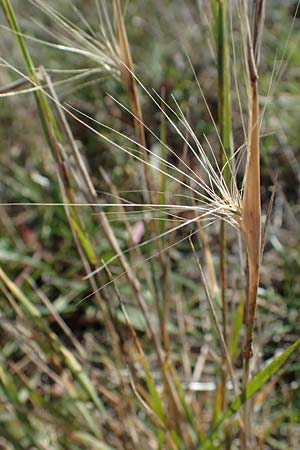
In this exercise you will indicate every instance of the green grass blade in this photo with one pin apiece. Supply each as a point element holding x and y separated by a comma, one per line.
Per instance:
<point>10,391</point>
<point>236,330</point>
<point>24,301</point>
<point>82,378</point>
<point>253,386</point>
<point>84,241</point>
<point>90,442</point>
<point>43,107</point>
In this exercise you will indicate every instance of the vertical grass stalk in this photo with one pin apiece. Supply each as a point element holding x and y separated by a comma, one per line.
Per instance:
<point>224,119</point>
<point>225,129</point>
<point>251,208</point>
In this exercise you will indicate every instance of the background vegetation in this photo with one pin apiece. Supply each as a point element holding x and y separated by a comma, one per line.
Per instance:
<point>148,352</point>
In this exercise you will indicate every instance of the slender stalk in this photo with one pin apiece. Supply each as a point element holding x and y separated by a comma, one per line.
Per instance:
<point>251,217</point>
<point>252,234</point>
<point>251,208</point>
<point>215,322</point>
<point>225,133</point>
<point>223,86</point>
<point>221,32</point>
<point>130,85</point>
<point>165,258</point>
